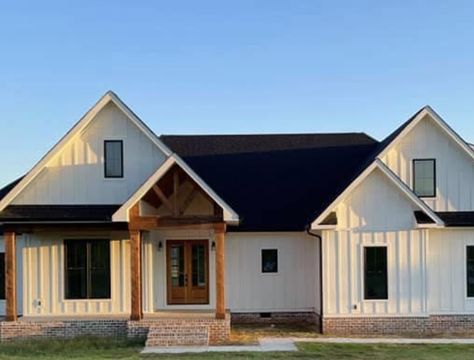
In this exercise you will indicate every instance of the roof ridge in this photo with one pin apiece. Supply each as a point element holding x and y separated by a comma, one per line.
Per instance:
<point>271,134</point>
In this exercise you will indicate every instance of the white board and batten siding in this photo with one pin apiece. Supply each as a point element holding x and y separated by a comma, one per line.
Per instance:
<point>43,278</point>
<point>376,213</point>
<point>76,174</point>
<point>454,167</point>
<point>447,280</point>
<point>294,288</point>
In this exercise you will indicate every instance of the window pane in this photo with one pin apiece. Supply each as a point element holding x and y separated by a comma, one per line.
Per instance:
<point>76,271</point>
<point>198,253</point>
<point>177,266</point>
<point>375,273</point>
<point>2,276</point>
<point>269,260</point>
<point>113,158</point>
<point>76,284</point>
<point>470,271</point>
<point>99,269</point>
<point>87,273</point>
<point>424,182</point>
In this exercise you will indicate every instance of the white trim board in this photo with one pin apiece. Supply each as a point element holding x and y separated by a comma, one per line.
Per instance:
<point>427,110</point>
<point>76,130</point>
<point>122,214</point>
<point>378,164</point>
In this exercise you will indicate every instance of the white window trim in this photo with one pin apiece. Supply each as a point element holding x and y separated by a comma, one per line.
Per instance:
<point>363,245</point>
<point>278,261</point>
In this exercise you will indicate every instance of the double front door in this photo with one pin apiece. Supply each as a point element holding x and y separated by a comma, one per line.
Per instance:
<point>187,271</point>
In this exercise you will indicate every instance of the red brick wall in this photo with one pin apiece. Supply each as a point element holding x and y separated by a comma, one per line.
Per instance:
<point>408,326</point>
<point>218,330</point>
<point>276,318</point>
<point>61,329</point>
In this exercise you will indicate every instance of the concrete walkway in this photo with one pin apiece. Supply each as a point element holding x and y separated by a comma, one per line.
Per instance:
<point>265,345</point>
<point>288,344</point>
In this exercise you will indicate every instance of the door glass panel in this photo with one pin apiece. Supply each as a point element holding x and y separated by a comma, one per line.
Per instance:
<point>177,266</point>
<point>198,265</point>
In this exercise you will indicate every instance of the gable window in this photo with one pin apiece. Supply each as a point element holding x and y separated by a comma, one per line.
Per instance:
<point>2,276</point>
<point>87,269</point>
<point>375,273</point>
<point>269,260</point>
<point>113,158</point>
<point>424,177</point>
<point>470,270</point>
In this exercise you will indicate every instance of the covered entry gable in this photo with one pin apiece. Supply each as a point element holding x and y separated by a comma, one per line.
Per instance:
<point>175,195</point>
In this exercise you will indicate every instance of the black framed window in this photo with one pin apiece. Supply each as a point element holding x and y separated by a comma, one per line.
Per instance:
<point>2,276</point>
<point>375,273</point>
<point>424,177</point>
<point>269,260</point>
<point>87,269</point>
<point>470,270</point>
<point>113,158</point>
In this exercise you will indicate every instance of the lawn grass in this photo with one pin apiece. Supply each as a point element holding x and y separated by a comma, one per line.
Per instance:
<point>104,348</point>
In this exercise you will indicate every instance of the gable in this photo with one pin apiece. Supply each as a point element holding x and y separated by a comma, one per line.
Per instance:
<point>73,172</point>
<point>454,165</point>
<point>376,204</point>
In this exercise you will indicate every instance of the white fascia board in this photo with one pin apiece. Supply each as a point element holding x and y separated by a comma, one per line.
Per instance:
<point>377,163</point>
<point>230,216</point>
<point>139,123</point>
<point>77,129</point>
<point>357,181</point>
<point>122,214</point>
<point>409,193</point>
<point>427,110</point>
<point>323,227</point>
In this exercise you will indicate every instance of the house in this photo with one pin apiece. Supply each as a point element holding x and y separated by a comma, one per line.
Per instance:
<point>118,231</point>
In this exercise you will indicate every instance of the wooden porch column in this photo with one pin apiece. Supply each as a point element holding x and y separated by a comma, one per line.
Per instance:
<point>219,231</point>
<point>136,274</point>
<point>10,277</point>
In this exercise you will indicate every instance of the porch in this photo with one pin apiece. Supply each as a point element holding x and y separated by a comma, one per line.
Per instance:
<point>170,252</point>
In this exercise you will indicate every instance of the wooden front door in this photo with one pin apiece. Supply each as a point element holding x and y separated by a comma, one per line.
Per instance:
<point>187,271</point>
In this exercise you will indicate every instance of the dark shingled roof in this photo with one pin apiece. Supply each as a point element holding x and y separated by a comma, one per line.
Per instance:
<point>275,184</point>
<point>422,218</point>
<point>58,213</point>
<point>4,191</point>
<point>457,218</point>
<point>278,182</point>
<point>201,145</point>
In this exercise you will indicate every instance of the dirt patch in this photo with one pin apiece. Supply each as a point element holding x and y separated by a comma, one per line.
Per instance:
<point>249,334</point>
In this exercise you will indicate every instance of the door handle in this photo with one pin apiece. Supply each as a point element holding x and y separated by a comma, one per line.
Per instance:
<point>185,279</point>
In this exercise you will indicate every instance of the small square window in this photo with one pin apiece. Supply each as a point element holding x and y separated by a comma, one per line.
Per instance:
<point>424,177</point>
<point>113,158</point>
<point>269,261</point>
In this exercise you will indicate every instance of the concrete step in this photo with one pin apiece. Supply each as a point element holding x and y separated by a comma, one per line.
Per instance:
<point>177,335</point>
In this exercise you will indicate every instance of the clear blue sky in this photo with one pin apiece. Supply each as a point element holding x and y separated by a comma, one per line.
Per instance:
<point>231,66</point>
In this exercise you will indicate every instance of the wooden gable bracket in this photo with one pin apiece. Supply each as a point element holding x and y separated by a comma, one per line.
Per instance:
<point>163,198</point>
<point>188,200</point>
